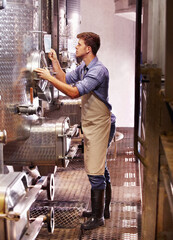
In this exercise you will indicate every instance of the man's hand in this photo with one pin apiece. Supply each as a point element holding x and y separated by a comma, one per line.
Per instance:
<point>52,55</point>
<point>43,73</point>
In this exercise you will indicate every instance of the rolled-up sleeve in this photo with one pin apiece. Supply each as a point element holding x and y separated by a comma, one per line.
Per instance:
<point>72,77</point>
<point>96,79</point>
<point>91,81</point>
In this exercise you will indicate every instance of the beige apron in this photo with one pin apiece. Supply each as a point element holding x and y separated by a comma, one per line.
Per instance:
<point>96,122</point>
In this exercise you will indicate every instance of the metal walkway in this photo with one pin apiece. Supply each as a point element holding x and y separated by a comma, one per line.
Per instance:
<point>72,196</point>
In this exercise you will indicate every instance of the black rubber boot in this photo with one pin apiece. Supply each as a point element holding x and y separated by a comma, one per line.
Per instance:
<point>88,214</point>
<point>108,195</point>
<point>97,203</point>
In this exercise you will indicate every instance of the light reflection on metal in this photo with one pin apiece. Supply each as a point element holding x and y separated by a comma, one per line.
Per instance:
<point>171,188</point>
<point>129,223</point>
<point>129,184</point>
<point>3,136</point>
<point>129,175</point>
<point>70,101</point>
<point>130,236</point>
<point>130,159</point>
<point>129,208</point>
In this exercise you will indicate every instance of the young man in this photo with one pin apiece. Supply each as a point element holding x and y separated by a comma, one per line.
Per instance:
<point>91,81</point>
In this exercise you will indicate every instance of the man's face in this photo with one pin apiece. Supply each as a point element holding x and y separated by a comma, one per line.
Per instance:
<point>81,49</point>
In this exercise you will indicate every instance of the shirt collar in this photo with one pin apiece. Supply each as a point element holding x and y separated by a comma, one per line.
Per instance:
<point>92,63</point>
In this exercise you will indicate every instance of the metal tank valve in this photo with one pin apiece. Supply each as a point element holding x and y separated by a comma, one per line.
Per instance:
<point>29,110</point>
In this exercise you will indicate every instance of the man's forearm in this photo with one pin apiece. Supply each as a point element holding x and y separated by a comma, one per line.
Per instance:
<point>60,74</point>
<point>67,89</point>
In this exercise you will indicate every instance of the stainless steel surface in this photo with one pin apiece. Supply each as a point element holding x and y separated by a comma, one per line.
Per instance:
<point>69,26</point>
<point>16,198</point>
<point>13,188</point>
<point>1,159</point>
<point>3,140</point>
<point>10,194</point>
<point>24,204</point>
<point>3,4</point>
<point>17,22</point>
<point>29,110</point>
<point>37,223</point>
<point>34,229</point>
<point>66,107</point>
<point>23,96</point>
<point>47,144</point>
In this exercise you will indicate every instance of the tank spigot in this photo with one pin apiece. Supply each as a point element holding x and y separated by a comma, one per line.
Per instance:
<point>29,110</point>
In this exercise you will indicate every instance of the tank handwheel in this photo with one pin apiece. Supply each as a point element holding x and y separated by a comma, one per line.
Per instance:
<point>50,187</point>
<point>40,86</point>
<point>50,221</point>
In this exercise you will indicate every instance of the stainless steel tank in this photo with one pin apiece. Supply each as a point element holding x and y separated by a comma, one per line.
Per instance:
<point>48,144</point>
<point>33,138</point>
<point>18,21</point>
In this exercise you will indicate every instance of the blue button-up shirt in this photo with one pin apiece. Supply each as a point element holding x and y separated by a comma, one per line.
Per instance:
<point>94,77</point>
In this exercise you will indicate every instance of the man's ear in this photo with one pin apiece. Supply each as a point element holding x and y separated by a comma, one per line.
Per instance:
<point>89,49</point>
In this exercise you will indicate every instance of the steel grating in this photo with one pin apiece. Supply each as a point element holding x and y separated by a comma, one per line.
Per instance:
<point>66,214</point>
<point>73,190</point>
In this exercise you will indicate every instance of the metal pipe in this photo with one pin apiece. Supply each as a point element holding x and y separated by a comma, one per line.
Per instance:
<point>137,73</point>
<point>66,12</point>
<point>40,26</point>
<point>3,139</point>
<point>55,25</point>
<point>1,159</point>
<point>29,110</point>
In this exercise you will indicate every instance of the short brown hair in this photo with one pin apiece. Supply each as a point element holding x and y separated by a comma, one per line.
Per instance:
<point>91,39</point>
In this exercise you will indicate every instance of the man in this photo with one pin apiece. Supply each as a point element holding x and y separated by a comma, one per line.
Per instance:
<point>91,81</point>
